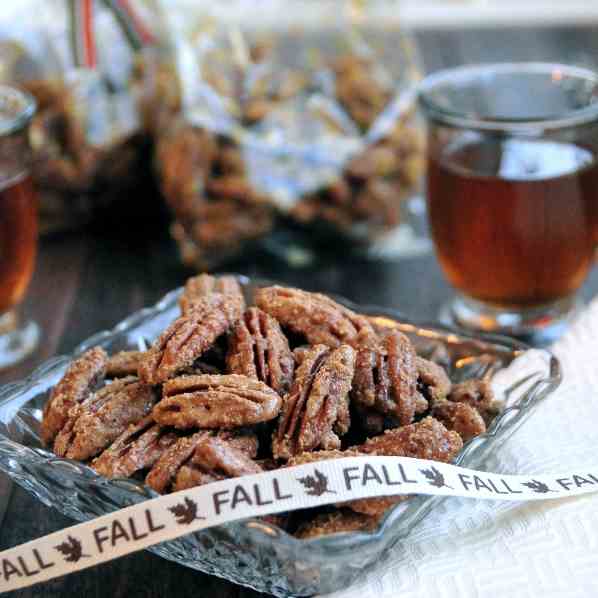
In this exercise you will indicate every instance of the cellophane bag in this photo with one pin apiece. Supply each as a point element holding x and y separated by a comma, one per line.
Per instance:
<point>86,135</point>
<point>286,123</point>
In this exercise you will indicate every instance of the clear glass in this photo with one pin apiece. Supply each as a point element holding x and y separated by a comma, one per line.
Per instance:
<point>512,190</point>
<point>254,553</point>
<point>292,128</point>
<point>18,225</point>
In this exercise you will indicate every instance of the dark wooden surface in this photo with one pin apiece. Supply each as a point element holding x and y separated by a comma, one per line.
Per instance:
<point>87,282</point>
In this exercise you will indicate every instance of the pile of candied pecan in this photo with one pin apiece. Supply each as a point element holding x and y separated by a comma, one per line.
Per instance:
<point>229,390</point>
<point>205,182</point>
<point>73,176</point>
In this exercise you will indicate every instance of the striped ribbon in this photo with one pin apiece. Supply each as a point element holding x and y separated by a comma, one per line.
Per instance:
<point>135,30</point>
<point>82,33</point>
<point>83,41</point>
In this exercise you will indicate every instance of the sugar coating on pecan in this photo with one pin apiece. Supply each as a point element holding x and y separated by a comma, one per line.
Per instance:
<point>316,411</point>
<point>433,382</point>
<point>214,458</point>
<point>103,417</point>
<point>427,439</point>
<point>335,523</point>
<point>124,363</point>
<point>189,336</point>
<point>317,317</point>
<point>167,466</point>
<point>206,284</point>
<point>479,394</point>
<point>374,507</point>
<point>386,377</point>
<point>79,381</point>
<point>259,349</point>
<point>219,401</point>
<point>326,455</point>
<point>460,417</point>
<point>137,448</point>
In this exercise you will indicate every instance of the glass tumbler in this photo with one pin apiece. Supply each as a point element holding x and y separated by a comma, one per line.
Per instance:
<point>512,192</point>
<point>18,225</point>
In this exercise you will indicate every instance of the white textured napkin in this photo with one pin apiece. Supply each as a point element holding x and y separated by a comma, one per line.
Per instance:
<point>474,549</point>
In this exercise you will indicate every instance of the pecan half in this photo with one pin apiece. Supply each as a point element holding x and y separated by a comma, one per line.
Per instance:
<point>139,447</point>
<point>214,459</point>
<point>460,417</point>
<point>386,378</point>
<point>432,383</point>
<point>317,404</point>
<point>227,401</point>
<point>200,459</point>
<point>317,317</point>
<point>103,417</point>
<point>78,382</point>
<point>337,522</point>
<point>258,349</point>
<point>478,394</point>
<point>188,337</point>
<point>205,284</point>
<point>427,439</point>
<point>166,467</point>
<point>125,363</point>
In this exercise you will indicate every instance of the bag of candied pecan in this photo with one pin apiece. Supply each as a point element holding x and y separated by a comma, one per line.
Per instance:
<point>76,59</point>
<point>297,122</point>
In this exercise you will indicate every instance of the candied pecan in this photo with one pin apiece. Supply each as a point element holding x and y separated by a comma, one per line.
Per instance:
<point>200,459</point>
<point>376,161</point>
<point>460,417</point>
<point>427,439</point>
<point>341,521</point>
<point>167,466</point>
<point>317,404</point>
<point>137,448</point>
<point>374,507</point>
<point>315,456</point>
<point>79,380</point>
<point>103,417</point>
<point>320,319</point>
<point>433,382</point>
<point>258,349</point>
<point>188,337</point>
<point>243,440</point>
<point>226,401</point>
<point>125,363</point>
<point>205,284</point>
<point>478,394</point>
<point>218,459</point>
<point>231,187</point>
<point>386,377</point>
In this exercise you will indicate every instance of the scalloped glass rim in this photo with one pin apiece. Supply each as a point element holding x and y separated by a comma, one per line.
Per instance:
<point>16,458</point>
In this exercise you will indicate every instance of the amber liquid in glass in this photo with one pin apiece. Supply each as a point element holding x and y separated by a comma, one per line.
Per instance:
<point>18,239</point>
<point>513,220</point>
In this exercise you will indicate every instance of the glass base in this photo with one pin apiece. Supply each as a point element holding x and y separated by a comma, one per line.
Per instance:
<point>538,326</point>
<point>17,339</point>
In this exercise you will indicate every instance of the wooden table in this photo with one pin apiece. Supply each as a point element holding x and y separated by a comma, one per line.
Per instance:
<point>88,282</point>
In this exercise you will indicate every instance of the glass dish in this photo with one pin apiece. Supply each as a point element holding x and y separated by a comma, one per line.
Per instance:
<point>251,552</point>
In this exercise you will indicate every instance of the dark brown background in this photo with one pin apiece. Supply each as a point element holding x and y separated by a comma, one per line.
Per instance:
<point>88,282</point>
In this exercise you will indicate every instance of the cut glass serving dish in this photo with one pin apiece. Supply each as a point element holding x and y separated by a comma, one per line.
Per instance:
<point>251,552</point>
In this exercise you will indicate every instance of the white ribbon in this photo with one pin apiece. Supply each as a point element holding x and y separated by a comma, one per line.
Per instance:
<point>168,517</point>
